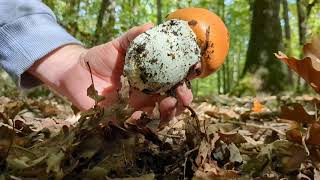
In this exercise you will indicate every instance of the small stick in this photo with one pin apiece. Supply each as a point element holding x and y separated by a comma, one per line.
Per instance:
<point>12,138</point>
<point>195,116</point>
<point>23,149</point>
<point>169,135</point>
<point>124,154</point>
<point>90,73</point>
<point>186,159</point>
<point>258,126</point>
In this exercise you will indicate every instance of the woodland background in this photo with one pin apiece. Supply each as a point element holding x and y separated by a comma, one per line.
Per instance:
<point>258,28</point>
<point>276,136</point>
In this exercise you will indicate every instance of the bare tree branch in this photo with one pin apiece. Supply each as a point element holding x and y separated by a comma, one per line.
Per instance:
<point>310,6</point>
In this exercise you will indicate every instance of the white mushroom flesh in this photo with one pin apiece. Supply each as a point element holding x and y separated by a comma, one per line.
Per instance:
<point>161,57</point>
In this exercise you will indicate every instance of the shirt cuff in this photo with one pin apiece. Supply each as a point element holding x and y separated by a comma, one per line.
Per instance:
<point>27,40</point>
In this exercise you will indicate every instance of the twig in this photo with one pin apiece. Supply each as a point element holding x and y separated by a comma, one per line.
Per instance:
<point>12,138</point>
<point>204,126</point>
<point>169,135</point>
<point>190,151</point>
<point>258,126</point>
<point>305,137</point>
<point>310,6</point>
<point>124,154</point>
<point>90,73</point>
<point>186,159</point>
<point>304,144</point>
<point>184,167</point>
<point>23,149</point>
<point>195,116</point>
<point>316,111</point>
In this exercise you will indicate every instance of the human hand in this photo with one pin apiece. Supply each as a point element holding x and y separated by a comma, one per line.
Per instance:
<point>65,71</point>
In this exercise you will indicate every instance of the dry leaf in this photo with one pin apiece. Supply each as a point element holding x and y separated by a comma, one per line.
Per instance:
<point>308,67</point>
<point>316,174</point>
<point>235,155</point>
<point>294,135</point>
<point>205,150</point>
<point>232,137</point>
<point>221,113</point>
<point>312,138</point>
<point>296,112</point>
<point>314,134</point>
<point>282,156</point>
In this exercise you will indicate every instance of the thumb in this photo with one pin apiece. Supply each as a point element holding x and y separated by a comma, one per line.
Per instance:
<point>123,42</point>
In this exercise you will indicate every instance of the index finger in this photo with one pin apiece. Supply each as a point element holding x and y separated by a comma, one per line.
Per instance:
<point>123,42</point>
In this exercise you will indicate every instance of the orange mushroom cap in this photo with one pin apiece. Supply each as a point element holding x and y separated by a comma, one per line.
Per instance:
<point>212,36</point>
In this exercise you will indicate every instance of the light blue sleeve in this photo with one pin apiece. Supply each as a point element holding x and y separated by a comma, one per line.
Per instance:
<point>28,31</point>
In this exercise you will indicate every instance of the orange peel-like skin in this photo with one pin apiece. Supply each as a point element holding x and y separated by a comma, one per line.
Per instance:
<point>212,36</point>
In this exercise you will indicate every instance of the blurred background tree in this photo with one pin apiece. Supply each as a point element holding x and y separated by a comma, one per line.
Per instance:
<point>257,29</point>
<point>265,39</point>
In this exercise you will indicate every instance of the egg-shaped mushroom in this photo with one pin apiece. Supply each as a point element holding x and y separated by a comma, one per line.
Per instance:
<point>161,57</point>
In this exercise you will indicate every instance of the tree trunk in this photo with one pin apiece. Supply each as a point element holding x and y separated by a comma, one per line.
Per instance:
<point>251,2</point>
<point>159,12</point>
<point>286,22</point>
<point>266,39</point>
<point>105,22</point>
<point>302,19</point>
<point>219,82</point>
<point>72,14</point>
<point>303,10</point>
<point>103,7</point>
<point>224,68</point>
<point>310,6</point>
<point>227,80</point>
<point>287,34</point>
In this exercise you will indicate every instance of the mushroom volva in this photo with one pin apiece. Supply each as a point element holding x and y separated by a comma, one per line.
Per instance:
<point>162,57</point>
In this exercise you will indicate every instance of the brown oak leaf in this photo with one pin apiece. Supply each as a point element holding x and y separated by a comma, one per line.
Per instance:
<point>296,112</point>
<point>308,67</point>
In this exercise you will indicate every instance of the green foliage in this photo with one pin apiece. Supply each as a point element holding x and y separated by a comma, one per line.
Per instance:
<point>7,87</point>
<point>245,87</point>
<point>314,21</point>
<point>39,92</point>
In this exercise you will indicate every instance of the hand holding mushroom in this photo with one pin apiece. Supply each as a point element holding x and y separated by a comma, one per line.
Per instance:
<point>157,61</point>
<point>65,71</point>
<point>169,54</point>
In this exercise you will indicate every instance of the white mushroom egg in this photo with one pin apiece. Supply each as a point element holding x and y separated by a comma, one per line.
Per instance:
<point>161,57</point>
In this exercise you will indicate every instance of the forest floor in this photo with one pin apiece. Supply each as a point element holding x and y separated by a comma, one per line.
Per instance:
<point>222,138</point>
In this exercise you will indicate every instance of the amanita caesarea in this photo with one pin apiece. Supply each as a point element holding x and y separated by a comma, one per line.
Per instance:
<point>161,57</point>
